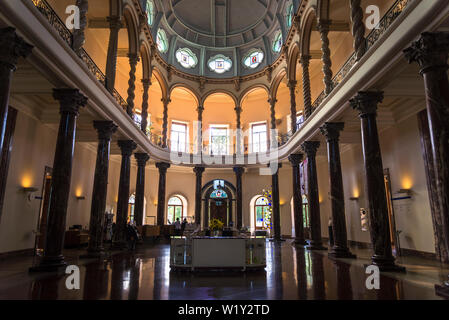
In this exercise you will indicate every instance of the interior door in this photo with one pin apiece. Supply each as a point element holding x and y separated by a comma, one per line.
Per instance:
<point>218,210</point>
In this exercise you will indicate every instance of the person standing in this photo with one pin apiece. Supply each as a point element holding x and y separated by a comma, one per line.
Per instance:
<point>177,227</point>
<point>183,226</point>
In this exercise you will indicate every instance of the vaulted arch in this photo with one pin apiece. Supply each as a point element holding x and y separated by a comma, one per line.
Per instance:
<point>132,23</point>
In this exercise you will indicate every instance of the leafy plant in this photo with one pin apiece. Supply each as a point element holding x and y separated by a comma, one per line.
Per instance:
<point>216,224</point>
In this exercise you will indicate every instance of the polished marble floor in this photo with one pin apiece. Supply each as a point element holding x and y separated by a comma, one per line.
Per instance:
<point>290,274</point>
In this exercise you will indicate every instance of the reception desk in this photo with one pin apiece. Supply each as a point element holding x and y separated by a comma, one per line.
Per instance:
<point>215,253</point>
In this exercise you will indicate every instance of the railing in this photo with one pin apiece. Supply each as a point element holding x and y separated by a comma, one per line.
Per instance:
<point>56,22</point>
<point>396,9</point>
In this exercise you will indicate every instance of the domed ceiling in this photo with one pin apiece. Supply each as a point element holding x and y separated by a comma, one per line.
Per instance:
<point>220,38</point>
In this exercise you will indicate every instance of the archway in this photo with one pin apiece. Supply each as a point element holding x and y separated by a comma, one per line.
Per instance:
<point>176,208</point>
<point>218,202</point>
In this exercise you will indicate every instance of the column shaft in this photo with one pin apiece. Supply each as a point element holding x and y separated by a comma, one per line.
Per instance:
<point>115,25</point>
<point>366,104</point>
<point>133,60</point>
<point>310,148</point>
<point>127,147</point>
<point>276,205</point>
<point>165,123</point>
<point>358,28</point>
<point>105,130</point>
<point>146,86</point>
<point>79,37</point>
<point>70,101</point>
<point>292,87</point>
<point>340,244</point>
<point>323,27</point>
<point>305,62</point>
<point>239,201</point>
<point>162,166</point>
<point>198,186</point>
<point>295,160</point>
<point>142,159</point>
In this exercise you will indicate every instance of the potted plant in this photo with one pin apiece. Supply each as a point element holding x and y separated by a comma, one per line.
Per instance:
<point>216,227</point>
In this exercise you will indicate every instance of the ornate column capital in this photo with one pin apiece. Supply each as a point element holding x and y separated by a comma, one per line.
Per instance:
<point>324,26</point>
<point>365,102</point>
<point>12,47</point>
<point>238,110</point>
<point>310,148</point>
<point>296,159</point>
<point>331,130</point>
<point>133,58</point>
<point>127,147</point>
<point>239,170</point>
<point>305,60</point>
<point>115,23</point>
<point>292,84</point>
<point>430,51</point>
<point>142,159</point>
<point>163,167</point>
<point>70,100</point>
<point>105,129</point>
<point>198,171</point>
<point>272,101</point>
<point>166,101</point>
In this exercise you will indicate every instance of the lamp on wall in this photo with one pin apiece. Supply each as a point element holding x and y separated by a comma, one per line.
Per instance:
<point>29,191</point>
<point>354,198</point>
<point>80,198</point>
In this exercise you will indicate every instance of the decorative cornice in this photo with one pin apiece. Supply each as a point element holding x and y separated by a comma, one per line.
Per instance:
<point>365,102</point>
<point>70,100</point>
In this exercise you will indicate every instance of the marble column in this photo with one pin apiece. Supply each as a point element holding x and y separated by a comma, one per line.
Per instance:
<point>358,28</point>
<point>331,130</point>
<point>238,112</point>
<point>79,37</point>
<point>165,123</point>
<point>431,53</point>
<point>198,186</point>
<point>366,104</point>
<point>199,133</point>
<point>276,207</point>
<point>133,60</point>
<point>71,100</point>
<point>273,137</point>
<point>142,159</point>
<point>115,24</point>
<point>162,166</point>
<point>127,147</point>
<point>305,62</point>
<point>310,148</point>
<point>146,86</point>
<point>12,47</point>
<point>239,201</point>
<point>323,28</point>
<point>292,86</point>
<point>105,129</point>
<point>295,160</point>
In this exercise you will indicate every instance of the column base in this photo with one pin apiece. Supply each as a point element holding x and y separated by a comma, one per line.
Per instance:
<point>50,264</point>
<point>91,254</point>
<point>341,253</point>
<point>315,246</point>
<point>386,264</point>
<point>442,290</point>
<point>299,242</point>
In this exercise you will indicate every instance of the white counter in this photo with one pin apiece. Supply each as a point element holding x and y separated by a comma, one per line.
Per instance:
<point>217,253</point>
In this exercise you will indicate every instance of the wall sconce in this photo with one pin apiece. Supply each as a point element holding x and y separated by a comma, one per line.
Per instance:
<point>403,194</point>
<point>354,198</point>
<point>29,191</point>
<point>80,198</point>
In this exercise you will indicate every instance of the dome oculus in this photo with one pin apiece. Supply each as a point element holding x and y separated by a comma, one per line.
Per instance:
<point>186,58</point>
<point>219,64</point>
<point>162,41</point>
<point>253,58</point>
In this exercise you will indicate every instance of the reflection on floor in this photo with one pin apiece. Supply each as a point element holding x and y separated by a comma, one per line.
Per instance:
<point>290,274</point>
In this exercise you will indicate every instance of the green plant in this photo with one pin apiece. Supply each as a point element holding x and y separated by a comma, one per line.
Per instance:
<point>216,224</point>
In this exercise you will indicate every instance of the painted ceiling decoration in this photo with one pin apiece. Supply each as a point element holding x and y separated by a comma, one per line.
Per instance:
<point>218,38</point>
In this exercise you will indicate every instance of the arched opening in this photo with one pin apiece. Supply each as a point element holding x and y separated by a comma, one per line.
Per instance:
<point>176,208</point>
<point>218,202</point>
<point>259,209</point>
<point>131,209</point>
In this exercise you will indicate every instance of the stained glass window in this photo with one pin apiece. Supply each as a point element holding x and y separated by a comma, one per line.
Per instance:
<point>262,209</point>
<point>186,58</point>
<point>289,16</point>
<point>162,41</point>
<point>277,42</point>
<point>220,194</point>
<point>253,58</point>
<point>219,63</point>
<point>150,12</point>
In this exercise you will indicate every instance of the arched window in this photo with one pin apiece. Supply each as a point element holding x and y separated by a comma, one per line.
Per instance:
<point>162,41</point>
<point>253,58</point>
<point>186,58</point>
<point>219,63</point>
<point>131,206</point>
<point>289,15</point>
<point>175,209</point>
<point>150,12</point>
<point>277,42</point>
<point>261,213</point>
